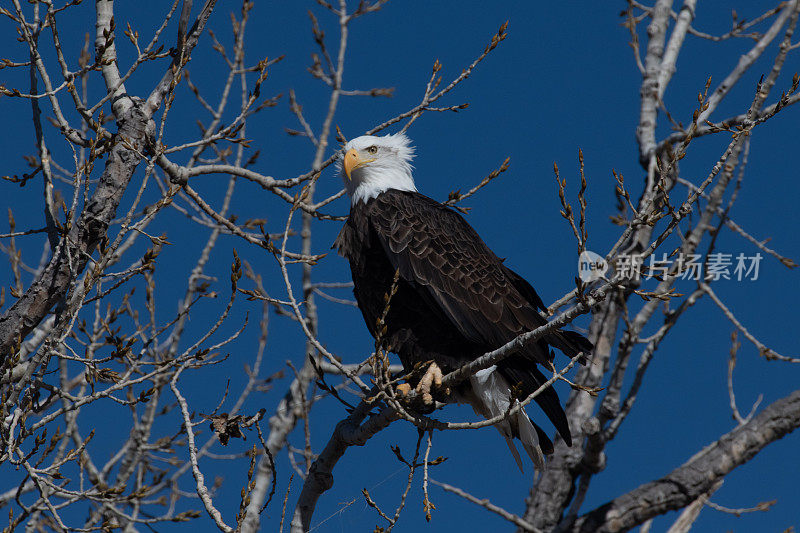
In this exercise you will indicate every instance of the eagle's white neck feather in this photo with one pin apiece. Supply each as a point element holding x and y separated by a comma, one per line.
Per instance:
<point>374,181</point>
<point>389,168</point>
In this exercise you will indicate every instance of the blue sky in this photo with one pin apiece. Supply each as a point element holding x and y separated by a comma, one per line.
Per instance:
<point>564,79</point>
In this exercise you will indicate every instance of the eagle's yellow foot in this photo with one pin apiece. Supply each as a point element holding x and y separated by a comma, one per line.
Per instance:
<point>404,389</point>
<point>432,378</point>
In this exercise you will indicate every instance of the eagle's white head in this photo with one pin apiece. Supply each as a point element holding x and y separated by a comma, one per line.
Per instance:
<point>372,165</point>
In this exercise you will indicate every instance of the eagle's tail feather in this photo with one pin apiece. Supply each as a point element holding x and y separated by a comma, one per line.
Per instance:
<point>514,452</point>
<point>530,439</point>
<point>491,396</point>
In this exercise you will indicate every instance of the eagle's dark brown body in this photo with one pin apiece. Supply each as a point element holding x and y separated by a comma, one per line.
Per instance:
<point>455,299</point>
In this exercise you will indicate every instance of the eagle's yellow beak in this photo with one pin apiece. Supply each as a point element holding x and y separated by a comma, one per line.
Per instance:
<point>353,161</point>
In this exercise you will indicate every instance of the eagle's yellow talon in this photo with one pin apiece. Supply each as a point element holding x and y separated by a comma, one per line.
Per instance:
<point>431,379</point>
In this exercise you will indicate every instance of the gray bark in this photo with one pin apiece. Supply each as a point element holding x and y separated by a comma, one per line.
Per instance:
<point>698,475</point>
<point>70,258</point>
<point>348,432</point>
<point>133,118</point>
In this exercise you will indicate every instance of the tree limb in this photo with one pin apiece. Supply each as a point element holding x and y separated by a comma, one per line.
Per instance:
<point>698,475</point>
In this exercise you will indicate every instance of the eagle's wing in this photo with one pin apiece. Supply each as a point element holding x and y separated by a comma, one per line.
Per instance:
<point>436,249</point>
<point>433,246</point>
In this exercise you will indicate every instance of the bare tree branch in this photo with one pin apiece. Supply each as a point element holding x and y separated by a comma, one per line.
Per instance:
<point>699,474</point>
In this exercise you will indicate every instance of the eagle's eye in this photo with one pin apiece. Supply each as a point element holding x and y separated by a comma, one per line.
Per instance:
<point>372,150</point>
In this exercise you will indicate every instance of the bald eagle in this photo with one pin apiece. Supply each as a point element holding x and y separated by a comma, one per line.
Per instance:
<point>455,298</point>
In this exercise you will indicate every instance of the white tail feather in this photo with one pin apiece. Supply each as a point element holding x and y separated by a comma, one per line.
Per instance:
<point>514,452</point>
<point>530,439</point>
<point>491,396</point>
